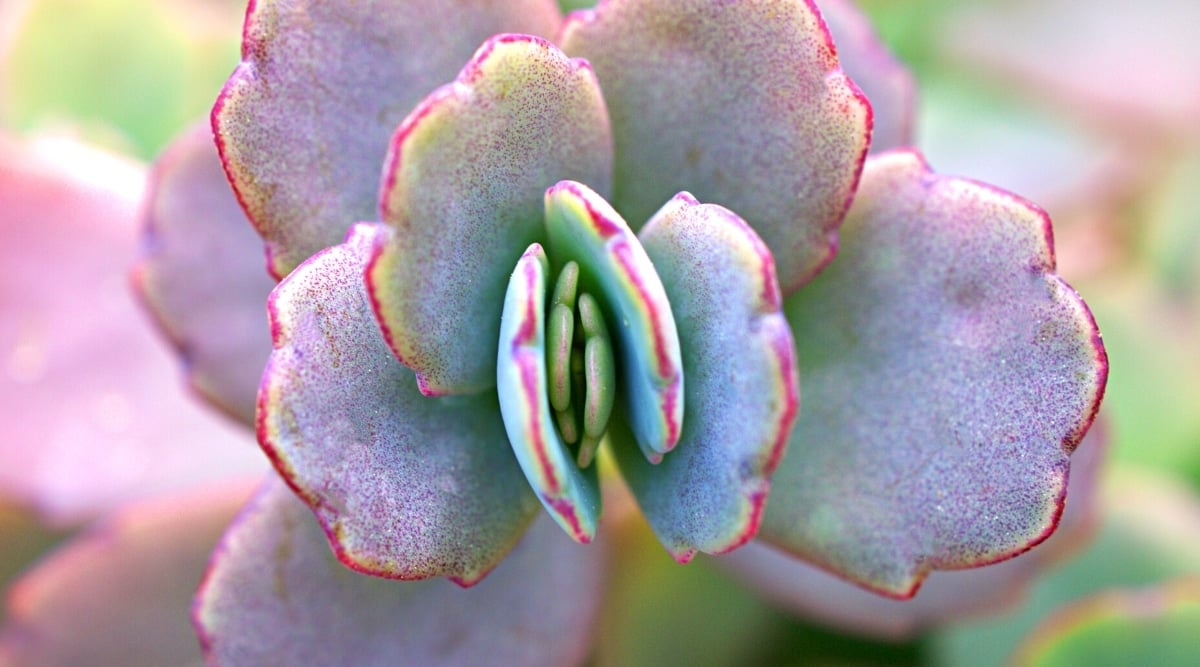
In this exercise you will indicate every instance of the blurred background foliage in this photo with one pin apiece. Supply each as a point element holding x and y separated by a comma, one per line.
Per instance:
<point>1121,178</point>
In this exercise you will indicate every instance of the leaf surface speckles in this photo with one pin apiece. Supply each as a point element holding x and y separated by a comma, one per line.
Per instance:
<point>463,188</point>
<point>741,104</point>
<point>406,486</point>
<point>303,122</point>
<point>948,375</point>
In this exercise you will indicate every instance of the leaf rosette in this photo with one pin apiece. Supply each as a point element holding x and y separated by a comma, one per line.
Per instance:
<point>543,288</point>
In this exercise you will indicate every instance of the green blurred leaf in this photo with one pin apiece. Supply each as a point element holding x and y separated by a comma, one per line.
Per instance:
<point>1151,532</point>
<point>126,72</point>
<point>1154,626</point>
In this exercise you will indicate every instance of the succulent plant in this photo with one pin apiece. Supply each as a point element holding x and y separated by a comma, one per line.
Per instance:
<point>655,236</point>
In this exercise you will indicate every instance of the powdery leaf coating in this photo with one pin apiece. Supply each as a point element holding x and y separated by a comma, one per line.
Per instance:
<point>741,391</point>
<point>884,80</point>
<point>406,486</point>
<point>581,226</point>
<point>80,372</point>
<point>201,274</point>
<point>119,593</point>
<point>275,595</point>
<point>570,495</point>
<point>948,375</point>
<point>810,592</point>
<point>1153,626</point>
<point>303,122</point>
<point>463,187</point>
<point>740,103</point>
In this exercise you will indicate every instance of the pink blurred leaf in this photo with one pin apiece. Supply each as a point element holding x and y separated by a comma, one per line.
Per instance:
<point>119,594</point>
<point>94,412</point>
<point>1133,63</point>
<point>201,274</point>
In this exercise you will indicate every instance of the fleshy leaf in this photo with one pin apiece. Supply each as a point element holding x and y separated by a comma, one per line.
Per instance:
<point>571,495</point>
<point>463,187</point>
<point>949,373</point>
<point>883,79</point>
<point>303,122</point>
<point>813,593</point>
<point>741,391</point>
<point>119,593</point>
<point>94,414</point>
<point>583,227</point>
<point>1152,626</point>
<point>274,595</point>
<point>201,274</point>
<point>740,103</point>
<point>405,485</point>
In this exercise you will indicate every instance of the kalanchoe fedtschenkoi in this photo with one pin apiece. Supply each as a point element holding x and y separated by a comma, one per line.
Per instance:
<point>948,372</point>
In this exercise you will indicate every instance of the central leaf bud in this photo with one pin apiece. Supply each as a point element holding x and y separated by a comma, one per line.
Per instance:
<point>579,360</point>
<point>559,351</point>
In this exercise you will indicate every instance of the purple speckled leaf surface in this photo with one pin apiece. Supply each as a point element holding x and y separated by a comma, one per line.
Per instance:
<point>741,387</point>
<point>95,414</point>
<point>275,595</point>
<point>119,594</point>
<point>884,80</point>
<point>740,103</point>
<point>948,374</point>
<point>201,274</point>
<point>406,486</point>
<point>304,121</point>
<point>463,187</point>
<point>945,596</point>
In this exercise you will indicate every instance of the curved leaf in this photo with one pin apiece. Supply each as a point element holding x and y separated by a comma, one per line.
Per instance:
<point>740,103</point>
<point>275,595</point>
<point>406,486</point>
<point>571,495</point>
<point>303,122</point>
<point>463,188</point>
<point>948,375</point>
<point>583,227</point>
<point>1153,626</point>
<point>119,593</point>
<point>813,593</point>
<point>741,393</point>
<point>201,274</point>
